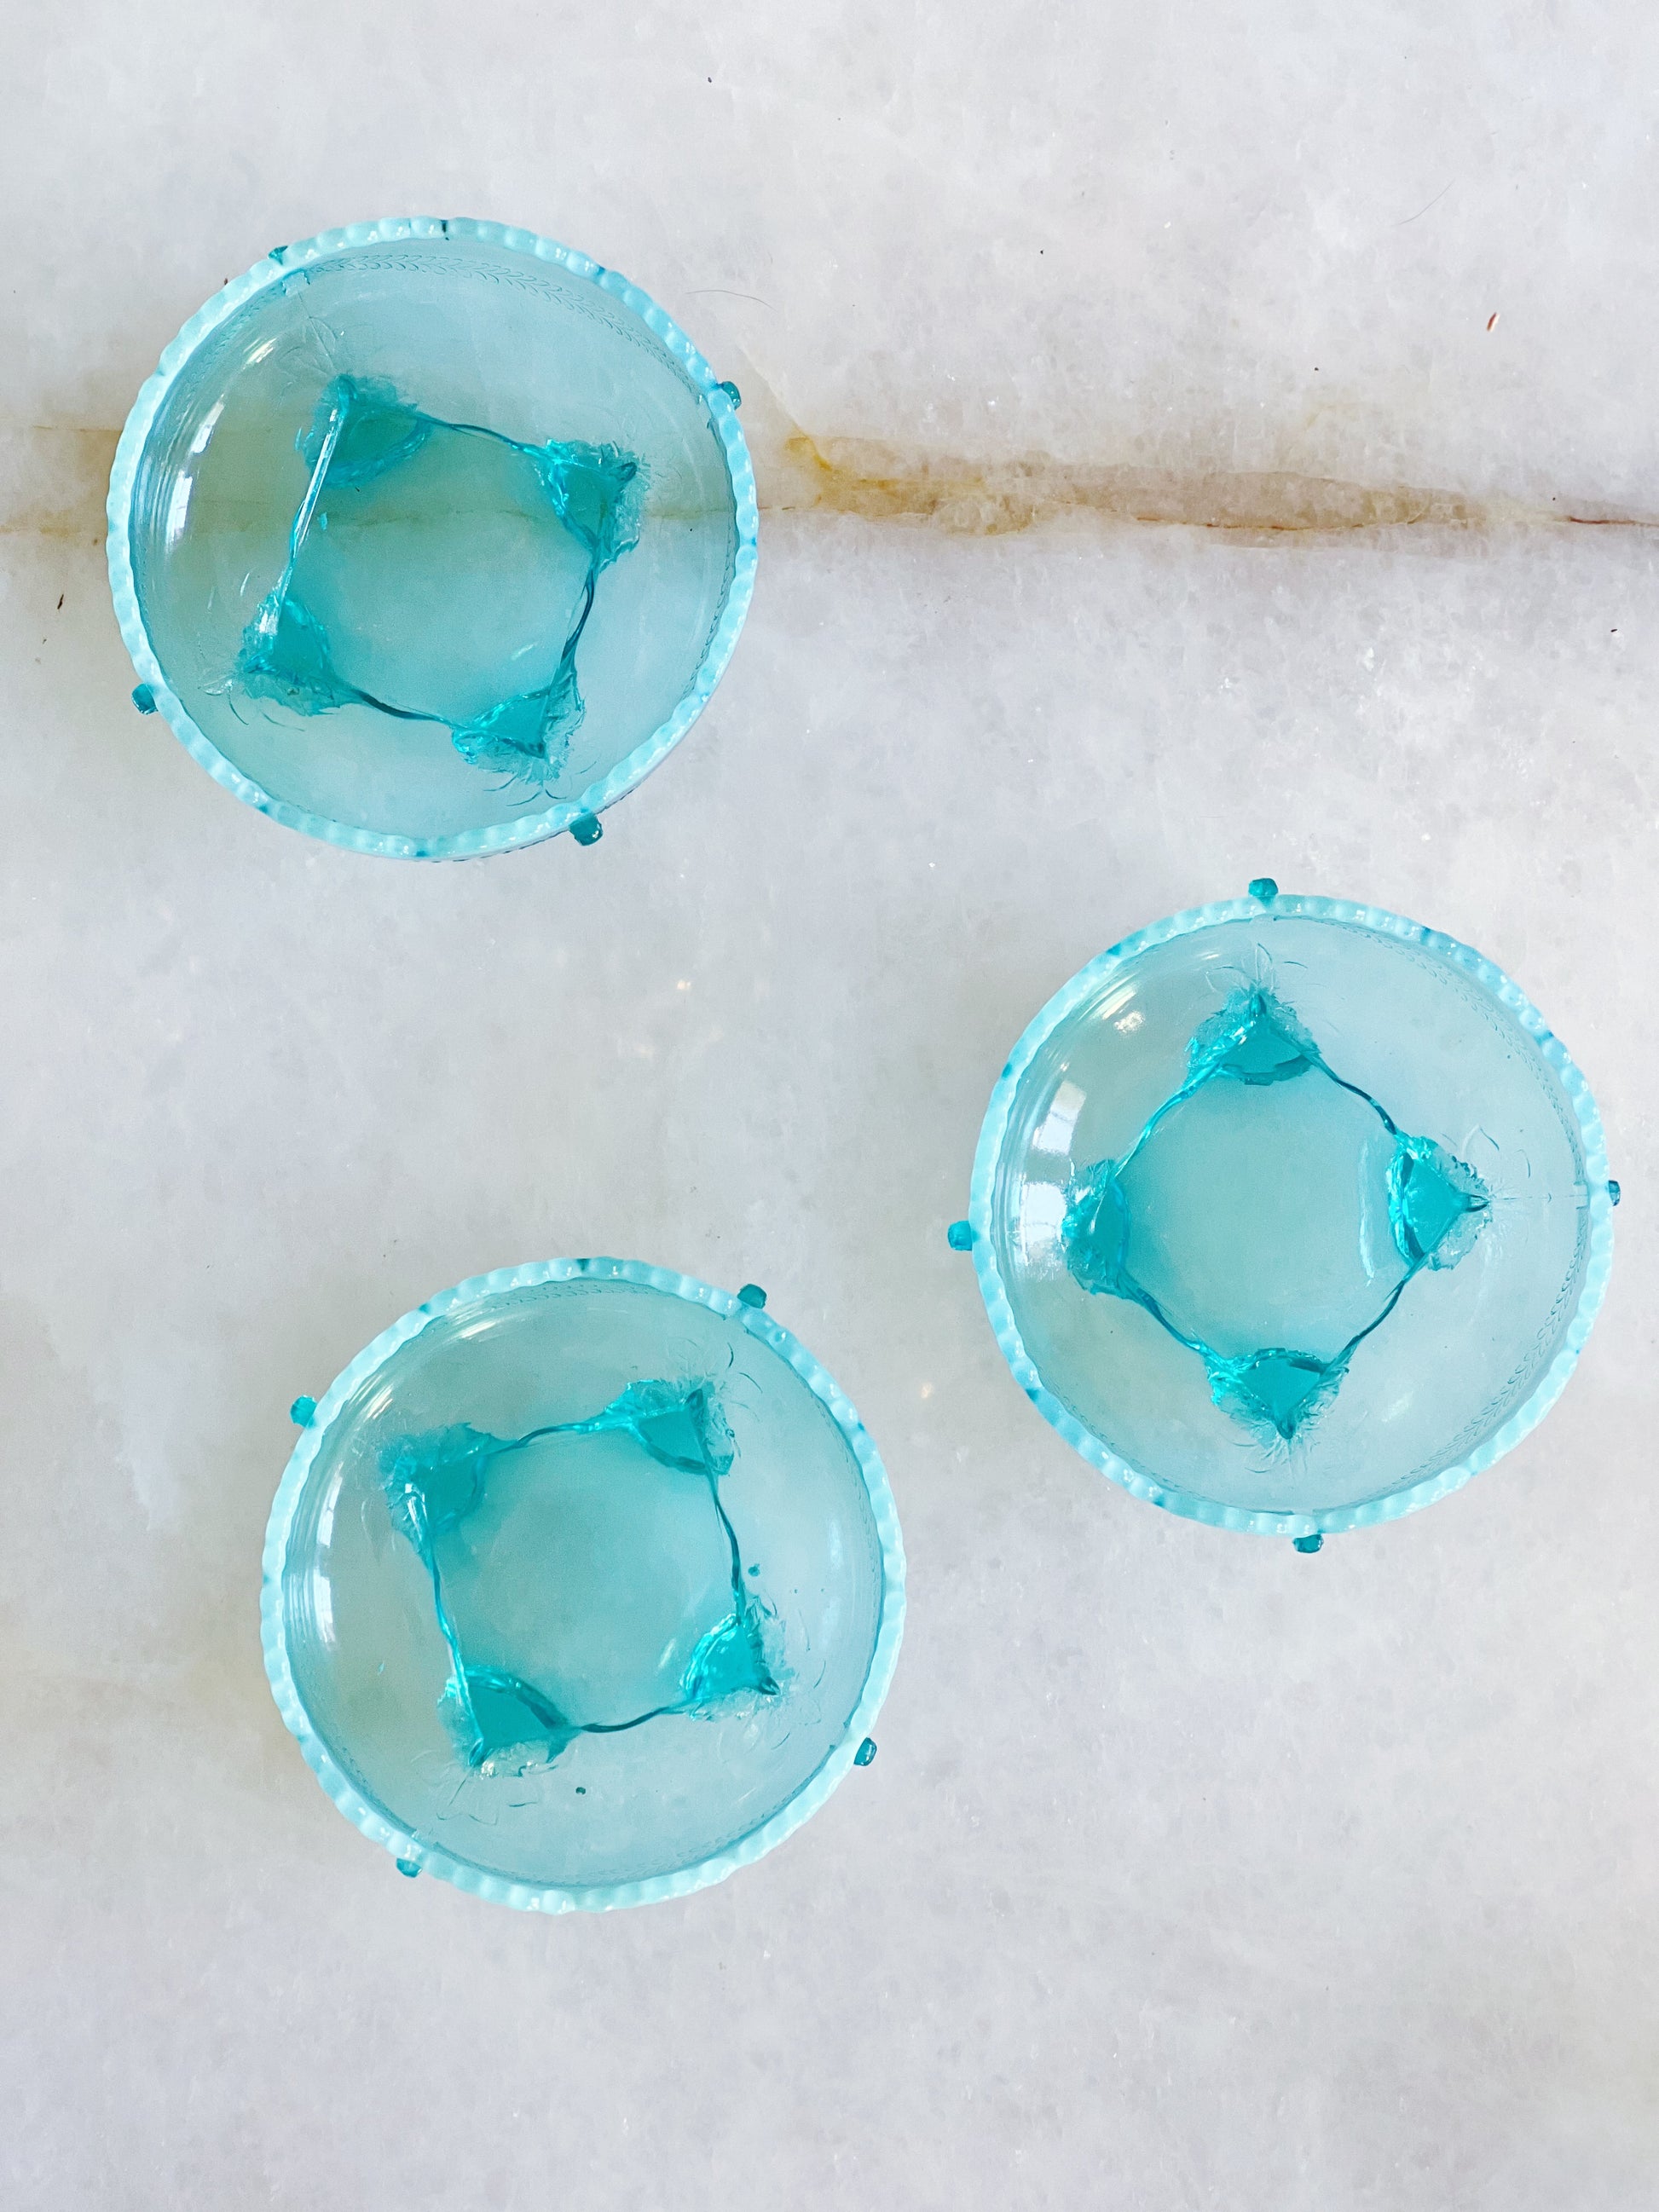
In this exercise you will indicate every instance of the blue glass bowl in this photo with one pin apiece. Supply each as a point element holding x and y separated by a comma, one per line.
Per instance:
<point>1291,1215</point>
<point>431,537</point>
<point>583,1586</point>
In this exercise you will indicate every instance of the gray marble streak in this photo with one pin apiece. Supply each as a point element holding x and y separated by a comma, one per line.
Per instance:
<point>1193,1876</point>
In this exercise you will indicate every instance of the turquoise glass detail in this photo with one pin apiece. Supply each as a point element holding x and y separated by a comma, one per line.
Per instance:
<point>431,537</point>
<point>1158,1225</point>
<point>365,449</point>
<point>456,1495</point>
<point>1291,1214</point>
<point>583,1586</point>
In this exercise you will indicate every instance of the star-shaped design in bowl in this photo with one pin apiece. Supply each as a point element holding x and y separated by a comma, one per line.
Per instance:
<point>1269,1216</point>
<point>466,561</point>
<point>586,1575</point>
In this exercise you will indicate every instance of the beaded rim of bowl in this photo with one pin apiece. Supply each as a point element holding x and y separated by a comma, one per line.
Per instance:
<point>494,837</point>
<point>1086,985</point>
<point>415,1856</point>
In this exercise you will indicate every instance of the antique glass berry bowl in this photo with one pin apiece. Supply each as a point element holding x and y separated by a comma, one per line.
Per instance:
<point>583,1586</point>
<point>1289,1215</point>
<point>431,537</point>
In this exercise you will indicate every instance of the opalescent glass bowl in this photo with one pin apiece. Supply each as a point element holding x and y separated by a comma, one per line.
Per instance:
<point>431,537</point>
<point>583,1585</point>
<point>1291,1215</point>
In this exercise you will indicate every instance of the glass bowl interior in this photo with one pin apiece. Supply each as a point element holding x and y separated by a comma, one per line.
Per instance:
<point>1291,1214</point>
<point>584,1586</point>
<point>435,541</point>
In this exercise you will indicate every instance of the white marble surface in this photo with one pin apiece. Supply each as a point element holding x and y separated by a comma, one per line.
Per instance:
<point>1192,1874</point>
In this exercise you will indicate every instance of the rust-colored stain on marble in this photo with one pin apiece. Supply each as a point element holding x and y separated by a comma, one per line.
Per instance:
<point>881,483</point>
<point>53,481</point>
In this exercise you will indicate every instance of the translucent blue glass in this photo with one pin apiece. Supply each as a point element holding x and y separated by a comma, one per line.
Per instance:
<point>431,537</point>
<point>1291,1215</point>
<point>583,1586</point>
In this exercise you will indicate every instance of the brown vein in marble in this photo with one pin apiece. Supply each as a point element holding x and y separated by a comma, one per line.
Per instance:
<point>882,483</point>
<point>53,480</point>
<point>53,483</point>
